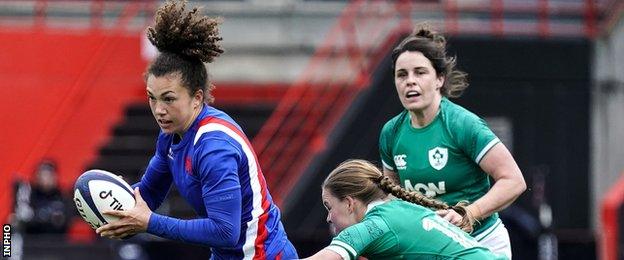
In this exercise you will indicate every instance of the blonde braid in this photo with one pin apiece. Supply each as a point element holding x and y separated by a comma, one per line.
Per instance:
<point>415,197</point>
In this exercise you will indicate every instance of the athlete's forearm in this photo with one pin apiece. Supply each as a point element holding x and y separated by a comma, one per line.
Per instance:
<point>220,228</point>
<point>509,183</point>
<point>325,254</point>
<point>199,231</point>
<point>501,195</point>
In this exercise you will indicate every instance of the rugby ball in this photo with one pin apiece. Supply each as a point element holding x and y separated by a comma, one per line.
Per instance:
<point>97,191</point>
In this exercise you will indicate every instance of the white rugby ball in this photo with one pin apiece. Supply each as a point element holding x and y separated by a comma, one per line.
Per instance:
<point>97,191</point>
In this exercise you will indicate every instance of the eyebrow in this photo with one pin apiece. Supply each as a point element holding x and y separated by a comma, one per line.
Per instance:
<point>166,92</point>
<point>417,67</point>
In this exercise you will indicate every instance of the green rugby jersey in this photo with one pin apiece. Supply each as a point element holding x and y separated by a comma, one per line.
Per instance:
<point>402,230</point>
<point>441,160</point>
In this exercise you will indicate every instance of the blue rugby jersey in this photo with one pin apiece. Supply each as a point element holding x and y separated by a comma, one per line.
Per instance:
<point>216,170</point>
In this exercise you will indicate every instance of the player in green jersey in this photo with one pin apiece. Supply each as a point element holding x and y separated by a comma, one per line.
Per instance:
<point>371,223</point>
<point>441,149</point>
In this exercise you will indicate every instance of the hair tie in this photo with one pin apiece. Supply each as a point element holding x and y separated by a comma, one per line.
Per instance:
<point>380,178</point>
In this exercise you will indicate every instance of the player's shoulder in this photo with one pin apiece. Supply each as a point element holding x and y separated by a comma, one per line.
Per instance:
<point>386,209</point>
<point>395,122</point>
<point>217,131</point>
<point>217,124</point>
<point>217,140</point>
<point>214,116</point>
<point>450,108</point>
<point>381,218</point>
<point>400,209</point>
<point>456,115</point>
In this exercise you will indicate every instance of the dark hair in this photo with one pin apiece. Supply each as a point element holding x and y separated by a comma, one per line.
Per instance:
<point>185,40</point>
<point>433,46</point>
<point>362,180</point>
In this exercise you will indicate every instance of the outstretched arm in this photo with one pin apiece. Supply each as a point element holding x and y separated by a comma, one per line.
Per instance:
<point>352,241</point>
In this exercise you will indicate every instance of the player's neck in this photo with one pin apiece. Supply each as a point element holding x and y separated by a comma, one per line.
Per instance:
<point>188,124</point>
<point>424,117</point>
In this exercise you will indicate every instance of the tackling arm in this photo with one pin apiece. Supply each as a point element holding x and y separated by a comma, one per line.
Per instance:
<point>325,254</point>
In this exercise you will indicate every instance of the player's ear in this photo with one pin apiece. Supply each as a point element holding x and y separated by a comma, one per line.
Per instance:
<point>198,98</point>
<point>350,203</point>
<point>439,82</point>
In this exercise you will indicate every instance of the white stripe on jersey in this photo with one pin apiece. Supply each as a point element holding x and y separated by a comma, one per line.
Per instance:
<point>340,251</point>
<point>252,225</point>
<point>343,245</point>
<point>489,230</point>
<point>486,149</point>
<point>387,165</point>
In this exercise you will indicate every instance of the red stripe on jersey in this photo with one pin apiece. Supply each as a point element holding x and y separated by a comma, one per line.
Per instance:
<point>262,235</point>
<point>262,219</point>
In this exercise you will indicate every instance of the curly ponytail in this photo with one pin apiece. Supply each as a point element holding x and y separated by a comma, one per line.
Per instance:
<point>185,40</point>
<point>190,34</point>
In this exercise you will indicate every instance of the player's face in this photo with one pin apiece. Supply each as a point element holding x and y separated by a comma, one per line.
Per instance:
<point>172,105</point>
<point>416,81</point>
<point>340,214</point>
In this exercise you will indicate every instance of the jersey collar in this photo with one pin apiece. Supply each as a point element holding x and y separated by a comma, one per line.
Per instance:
<point>373,204</point>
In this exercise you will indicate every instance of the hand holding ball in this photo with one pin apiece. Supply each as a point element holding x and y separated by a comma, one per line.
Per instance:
<point>97,191</point>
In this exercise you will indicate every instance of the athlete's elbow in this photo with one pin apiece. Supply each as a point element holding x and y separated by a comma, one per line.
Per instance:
<point>230,240</point>
<point>523,186</point>
<point>228,235</point>
<point>520,184</point>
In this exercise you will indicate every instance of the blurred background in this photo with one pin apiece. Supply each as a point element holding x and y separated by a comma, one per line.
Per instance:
<point>310,83</point>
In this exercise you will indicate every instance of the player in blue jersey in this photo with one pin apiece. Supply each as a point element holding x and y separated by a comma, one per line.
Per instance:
<point>202,151</point>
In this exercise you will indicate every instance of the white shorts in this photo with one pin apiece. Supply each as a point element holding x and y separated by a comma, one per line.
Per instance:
<point>496,238</point>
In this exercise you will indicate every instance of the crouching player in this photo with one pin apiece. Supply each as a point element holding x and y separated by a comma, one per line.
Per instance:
<point>371,223</point>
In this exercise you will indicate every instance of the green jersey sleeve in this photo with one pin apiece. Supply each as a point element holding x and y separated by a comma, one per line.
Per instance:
<point>385,147</point>
<point>356,239</point>
<point>386,141</point>
<point>472,134</point>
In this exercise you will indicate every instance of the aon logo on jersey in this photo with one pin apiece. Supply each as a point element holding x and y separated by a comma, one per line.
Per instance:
<point>428,189</point>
